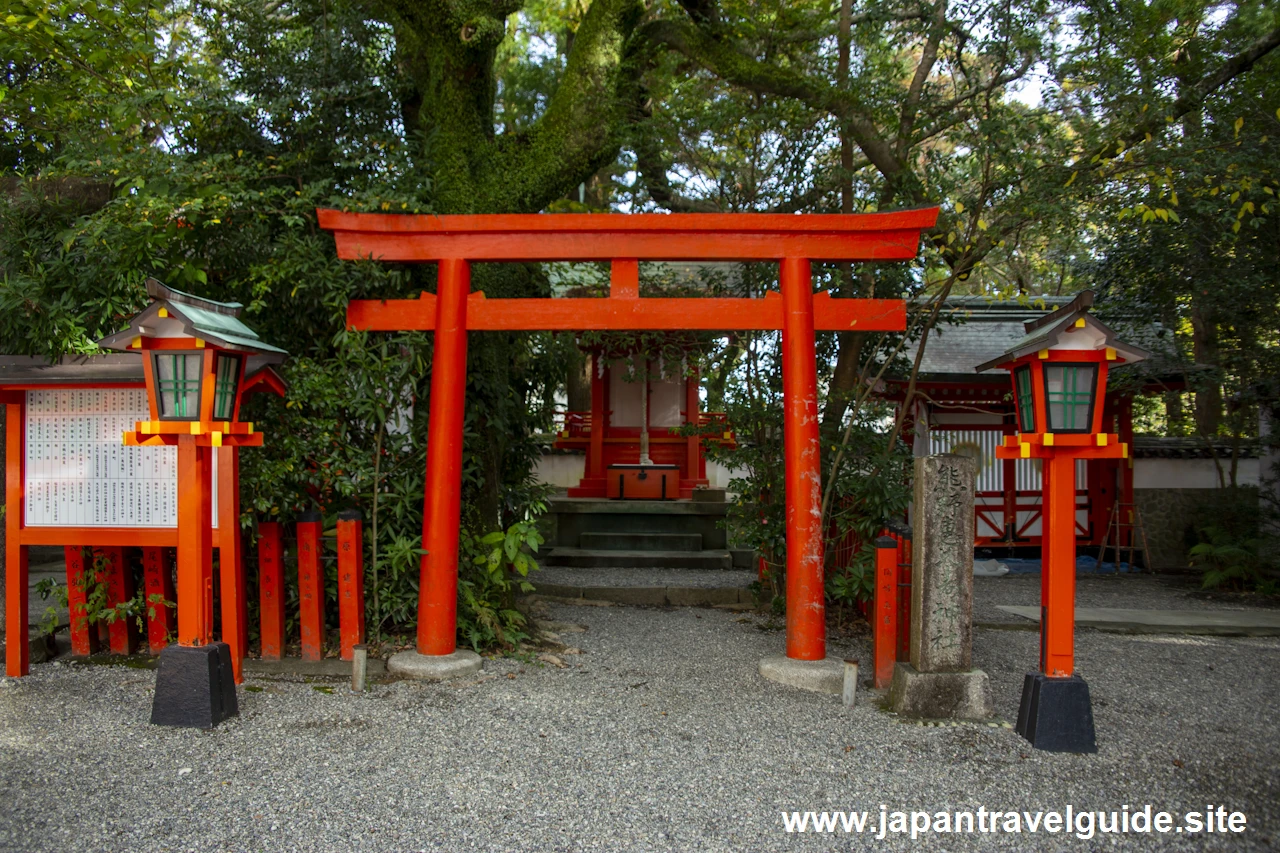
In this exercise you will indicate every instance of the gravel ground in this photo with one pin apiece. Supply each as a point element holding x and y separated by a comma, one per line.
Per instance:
<point>693,578</point>
<point>658,736</point>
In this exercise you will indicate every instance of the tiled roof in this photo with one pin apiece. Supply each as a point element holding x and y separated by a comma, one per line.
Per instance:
<point>1165,447</point>
<point>973,330</point>
<point>70,369</point>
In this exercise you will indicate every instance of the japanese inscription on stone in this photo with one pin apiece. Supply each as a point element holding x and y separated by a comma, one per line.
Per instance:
<point>942,564</point>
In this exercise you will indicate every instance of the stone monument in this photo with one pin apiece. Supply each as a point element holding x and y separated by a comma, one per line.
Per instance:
<point>940,681</point>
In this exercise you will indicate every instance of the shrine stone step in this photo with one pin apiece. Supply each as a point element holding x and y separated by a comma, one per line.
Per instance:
<point>648,587</point>
<point>636,559</point>
<point>604,541</point>
<point>572,518</point>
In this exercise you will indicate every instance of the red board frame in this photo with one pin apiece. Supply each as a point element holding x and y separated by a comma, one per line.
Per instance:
<point>19,538</point>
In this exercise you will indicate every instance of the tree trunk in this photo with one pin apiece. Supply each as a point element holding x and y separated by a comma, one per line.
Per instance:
<point>578,381</point>
<point>1204,342</point>
<point>849,353</point>
<point>446,52</point>
<point>1174,413</point>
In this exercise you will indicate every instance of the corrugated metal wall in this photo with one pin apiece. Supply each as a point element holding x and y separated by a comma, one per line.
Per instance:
<point>982,444</point>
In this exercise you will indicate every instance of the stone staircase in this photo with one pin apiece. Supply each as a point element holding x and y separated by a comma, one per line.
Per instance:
<point>604,534</point>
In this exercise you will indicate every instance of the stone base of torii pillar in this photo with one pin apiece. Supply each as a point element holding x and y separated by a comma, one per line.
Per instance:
<point>411,664</point>
<point>820,676</point>
<point>940,681</point>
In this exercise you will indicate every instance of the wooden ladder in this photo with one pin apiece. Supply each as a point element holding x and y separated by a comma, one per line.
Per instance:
<point>1126,517</point>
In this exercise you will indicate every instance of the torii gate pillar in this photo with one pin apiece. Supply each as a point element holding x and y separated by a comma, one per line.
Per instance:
<point>442,509</point>
<point>806,609</point>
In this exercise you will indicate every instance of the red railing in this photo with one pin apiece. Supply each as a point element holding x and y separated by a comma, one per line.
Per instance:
<point>572,424</point>
<point>312,593</point>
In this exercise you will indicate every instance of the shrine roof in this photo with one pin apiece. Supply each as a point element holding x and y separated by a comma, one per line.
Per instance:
<point>217,322</point>
<point>97,369</point>
<point>71,369</point>
<point>974,330</point>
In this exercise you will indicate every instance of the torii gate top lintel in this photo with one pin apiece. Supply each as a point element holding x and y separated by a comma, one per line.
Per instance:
<point>642,236</point>
<point>626,239</point>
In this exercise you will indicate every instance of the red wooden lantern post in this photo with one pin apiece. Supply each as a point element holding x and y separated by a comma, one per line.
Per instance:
<point>195,355</point>
<point>454,242</point>
<point>1059,373</point>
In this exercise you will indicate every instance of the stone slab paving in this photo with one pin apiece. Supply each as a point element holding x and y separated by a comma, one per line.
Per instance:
<point>649,587</point>
<point>1227,622</point>
<point>1137,591</point>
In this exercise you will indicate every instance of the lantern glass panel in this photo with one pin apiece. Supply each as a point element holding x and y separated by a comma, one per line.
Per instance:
<point>1070,390</point>
<point>1026,400</point>
<point>227,383</point>
<point>178,376</point>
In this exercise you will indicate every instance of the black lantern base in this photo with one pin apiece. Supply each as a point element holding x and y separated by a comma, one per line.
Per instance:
<point>195,687</point>
<point>1056,714</point>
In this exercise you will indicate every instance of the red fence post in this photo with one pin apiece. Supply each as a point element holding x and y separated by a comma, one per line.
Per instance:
<point>157,581</point>
<point>122,632</point>
<point>271,590</point>
<point>310,585</point>
<point>885,614</point>
<point>84,638</point>
<point>350,581</point>
<point>17,577</point>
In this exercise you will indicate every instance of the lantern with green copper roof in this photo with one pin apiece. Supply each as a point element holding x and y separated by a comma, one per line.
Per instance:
<point>1059,374</point>
<point>200,361</point>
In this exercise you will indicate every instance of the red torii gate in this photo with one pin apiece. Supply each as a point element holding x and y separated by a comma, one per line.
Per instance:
<point>794,241</point>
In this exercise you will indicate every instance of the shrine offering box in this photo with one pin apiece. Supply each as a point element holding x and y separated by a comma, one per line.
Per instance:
<point>643,482</point>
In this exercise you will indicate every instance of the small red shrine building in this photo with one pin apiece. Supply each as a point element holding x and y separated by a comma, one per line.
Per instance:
<point>663,403</point>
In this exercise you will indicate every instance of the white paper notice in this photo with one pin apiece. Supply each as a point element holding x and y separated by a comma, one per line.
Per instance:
<point>79,474</point>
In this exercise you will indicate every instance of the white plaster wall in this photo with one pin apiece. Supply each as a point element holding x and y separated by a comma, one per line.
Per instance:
<point>1189,473</point>
<point>562,470</point>
<point>718,474</point>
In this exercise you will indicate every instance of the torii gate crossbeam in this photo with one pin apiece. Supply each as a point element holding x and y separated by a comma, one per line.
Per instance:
<point>794,242</point>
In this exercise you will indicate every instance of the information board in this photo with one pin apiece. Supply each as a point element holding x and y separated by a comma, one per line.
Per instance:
<point>80,474</point>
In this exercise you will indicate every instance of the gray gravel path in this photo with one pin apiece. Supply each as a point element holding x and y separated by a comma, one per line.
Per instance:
<point>659,736</point>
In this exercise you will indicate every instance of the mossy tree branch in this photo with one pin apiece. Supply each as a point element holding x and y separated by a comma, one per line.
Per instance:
<point>447,51</point>
<point>584,124</point>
